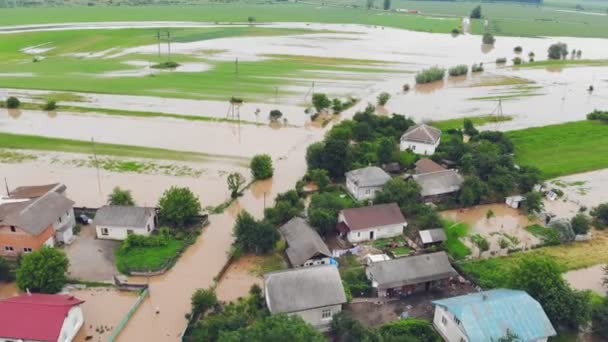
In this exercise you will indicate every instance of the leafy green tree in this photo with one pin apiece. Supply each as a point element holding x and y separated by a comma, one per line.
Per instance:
<point>12,102</point>
<point>564,231</point>
<point>336,157</point>
<point>5,271</point>
<point>203,300</point>
<point>323,211</point>
<point>409,330</point>
<point>599,317</point>
<point>314,155</point>
<point>254,236</point>
<point>580,224</point>
<point>320,101</point>
<point>320,177</point>
<point>558,51</point>
<point>275,115</point>
<point>476,13</point>
<point>533,203</point>
<point>261,167</point>
<point>386,6</point>
<point>344,328</point>
<point>43,271</point>
<point>488,38</point>
<point>387,149</point>
<point>529,176</point>
<point>287,205</point>
<point>384,96</point>
<point>509,337</point>
<point>235,180</point>
<point>469,128</point>
<point>600,215</point>
<point>363,131</point>
<point>178,206</point>
<point>121,197</point>
<point>472,191</point>
<point>275,328</point>
<point>50,105</point>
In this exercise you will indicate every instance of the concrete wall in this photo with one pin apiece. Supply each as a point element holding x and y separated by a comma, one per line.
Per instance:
<point>121,233</point>
<point>315,262</point>
<point>361,193</point>
<point>446,326</point>
<point>315,316</point>
<point>64,226</point>
<point>72,324</point>
<point>419,148</point>
<point>379,232</point>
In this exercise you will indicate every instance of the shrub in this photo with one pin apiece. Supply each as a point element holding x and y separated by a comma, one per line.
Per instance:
<point>50,105</point>
<point>476,13</point>
<point>275,115</point>
<point>481,242</point>
<point>598,115</point>
<point>320,101</point>
<point>518,49</point>
<point>477,67</point>
<point>488,38</point>
<point>406,87</point>
<point>43,270</point>
<point>516,61</point>
<point>383,98</point>
<point>165,65</point>
<point>430,75</point>
<point>558,51</point>
<point>501,60</point>
<point>580,224</point>
<point>12,102</point>
<point>455,31</point>
<point>261,167</point>
<point>458,70</point>
<point>600,215</point>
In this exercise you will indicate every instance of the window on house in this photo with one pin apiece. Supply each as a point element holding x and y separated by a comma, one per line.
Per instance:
<point>59,219</point>
<point>326,314</point>
<point>13,229</point>
<point>457,321</point>
<point>104,231</point>
<point>444,320</point>
<point>367,192</point>
<point>9,248</point>
<point>27,249</point>
<point>358,234</point>
<point>129,231</point>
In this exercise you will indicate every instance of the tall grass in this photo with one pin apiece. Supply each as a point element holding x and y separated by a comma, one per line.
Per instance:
<point>458,70</point>
<point>430,75</point>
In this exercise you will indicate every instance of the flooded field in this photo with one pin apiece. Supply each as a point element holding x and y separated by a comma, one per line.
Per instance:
<point>580,190</point>
<point>589,278</point>
<point>238,278</point>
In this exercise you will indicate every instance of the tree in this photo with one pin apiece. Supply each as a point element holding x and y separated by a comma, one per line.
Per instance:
<point>178,206</point>
<point>320,101</point>
<point>558,51</point>
<point>488,38</point>
<point>12,102</point>
<point>235,181</point>
<point>43,271</point>
<point>533,203</point>
<point>323,211</point>
<point>275,328</point>
<point>287,206</point>
<point>254,236</point>
<point>387,148</point>
<point>580,224</point>
<point>476,13</point>
<point>509,337</point>
<point>314,155</point>
<point>529,176</point>
<point>50,105</point>
<point>250,19</point>
<point>472,191</point>
<point>320,177</point>
<point>600,215</point>
<point>121,197</point>
<point>599,317</point>
<point>387,5</point>
<point>540,276</point>
<point>383,97</point>
<point>469,128</point>
<point>409,330</point>
<point>369,4</point>
<point>203,300</point>
<point>336,157</point>
<point>5,271</point>
<point>344,328</point>
<point>261,167</point>
<point>275,115</point>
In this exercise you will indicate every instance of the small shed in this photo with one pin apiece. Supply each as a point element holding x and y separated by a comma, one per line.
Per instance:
<point>432,237</point>
<point>372,258</point>
<point>514,201</point>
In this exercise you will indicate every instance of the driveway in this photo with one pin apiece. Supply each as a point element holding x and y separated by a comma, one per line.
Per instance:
<point>91,259</point>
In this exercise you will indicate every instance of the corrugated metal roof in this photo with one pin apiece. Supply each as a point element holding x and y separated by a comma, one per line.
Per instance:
<point>123,216</point>
<point>303,241</point>
<point>486,316</point>
<point>432,235</point>
<point>368,176</point>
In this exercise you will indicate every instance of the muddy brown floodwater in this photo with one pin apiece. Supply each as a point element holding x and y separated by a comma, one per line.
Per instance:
<point>589,278</point>
<point>238,278</point>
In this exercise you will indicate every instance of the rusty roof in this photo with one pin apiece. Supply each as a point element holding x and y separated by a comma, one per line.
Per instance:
<point>373,216</point>
<point>35,191</point>
<point>425,165</point>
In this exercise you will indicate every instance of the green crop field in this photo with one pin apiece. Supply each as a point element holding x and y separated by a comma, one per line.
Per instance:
<point>563,149</point>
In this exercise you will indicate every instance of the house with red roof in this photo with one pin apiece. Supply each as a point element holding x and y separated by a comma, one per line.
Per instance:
<point>40,317</point>
<point>371,223</point>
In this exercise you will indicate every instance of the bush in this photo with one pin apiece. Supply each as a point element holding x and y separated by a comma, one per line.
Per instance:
<point>455,31</point>
<point>518,49</point>
<point>488,38</point>
<point>275,115</point>
<point>501,60</point>
<point>477,67</point>
<point>598,115</point>
<point>165,65</point>
<point>476,13</point>
<point>320,101</point>
<point>383,98</point>
<point>50,105</point>
<point>261,167</point>
<point>458,70</point>
<point>558,51</point>
<point>406,87</point>
<point>516,61</point>
<point>600,215</point>
<point>580,224</point>
<point>12,102</point>
<point>136,240</point>
<point>430,75</point>
<point>481,242</point>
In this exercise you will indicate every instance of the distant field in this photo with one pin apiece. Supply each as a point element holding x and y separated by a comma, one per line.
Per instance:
<point>563,149</point>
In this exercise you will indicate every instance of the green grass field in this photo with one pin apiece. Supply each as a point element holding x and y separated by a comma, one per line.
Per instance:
<point>562,149</point>
<point>454,231</point>
<point>444,125</point>
<point>147,258</point>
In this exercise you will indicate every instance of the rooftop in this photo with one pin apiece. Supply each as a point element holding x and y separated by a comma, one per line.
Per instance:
<point>438,183</point>
<point>368,176</point>
<point>303,288</point>
<point>432,235</point>
<point>35,215</point>
<point>373,216</point>
<point>411,270</point>
<point>486,316</point>
<point>37,317</point>
<point>34,191</point>
<point>423,134</point>
<point>303,241</point>
<point>123,216</point>
<point>426,165</point>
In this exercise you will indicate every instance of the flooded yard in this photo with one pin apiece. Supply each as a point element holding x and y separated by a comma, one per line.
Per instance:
<point>589,278</point>
<point>238,278</point>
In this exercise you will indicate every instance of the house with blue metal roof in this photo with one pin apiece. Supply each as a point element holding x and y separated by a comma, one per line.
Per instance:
<point>487,316</point>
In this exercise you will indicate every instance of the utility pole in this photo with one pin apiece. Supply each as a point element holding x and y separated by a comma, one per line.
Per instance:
<point>8,192</point>
<point>158,42</point>
<point>96,165</point>
<point>169,43</point>
<point>276,95</point>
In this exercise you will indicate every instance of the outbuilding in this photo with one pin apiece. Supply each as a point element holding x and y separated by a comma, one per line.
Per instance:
<point>304,245</point>
<point>432,237</point>
<point>116,222</point>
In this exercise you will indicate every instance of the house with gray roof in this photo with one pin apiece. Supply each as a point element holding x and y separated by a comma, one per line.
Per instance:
<point>489,315</point>
<point>409,274</point>
<point>314,293</point>
<point>304,245</point>
<point>116,222</point>
<point>365,182</point>
<point>421,139</point>
<point>434,186</point>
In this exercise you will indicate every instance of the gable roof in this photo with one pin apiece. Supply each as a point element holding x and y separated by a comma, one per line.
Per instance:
<point>123,216</point>
<point>303,288</point>
<point>411,270</point>
<point>487,315</point>
<point>34,191</point>
<point>368,176</point>
<point>303,241</point>
<point>437,183</point>
<point>34,216</point>
<point>426,165</point>
<point>373,216</point>
<point>422,133</point>
<point>432,235</point>
<point>35,316</point>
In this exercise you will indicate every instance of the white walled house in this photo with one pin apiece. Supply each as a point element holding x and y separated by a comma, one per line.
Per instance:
<point>371,223</point>
<point>486,316</point>
<point>363,183</point>
<point>64,227</point>
<point>40,317</point>
<point>421,139</point>
<point>314,293</point>
<point>115,222</point>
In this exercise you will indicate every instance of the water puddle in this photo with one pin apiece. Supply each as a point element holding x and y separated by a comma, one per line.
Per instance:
<point>589,278</point>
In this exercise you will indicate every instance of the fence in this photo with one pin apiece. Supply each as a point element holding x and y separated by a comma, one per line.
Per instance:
<point>128,316</point>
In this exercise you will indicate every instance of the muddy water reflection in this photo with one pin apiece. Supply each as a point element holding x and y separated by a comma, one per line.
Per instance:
<point>589,278</point>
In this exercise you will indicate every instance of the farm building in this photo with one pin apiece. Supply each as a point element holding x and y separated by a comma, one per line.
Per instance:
<point>115,222</point>
<point>404,276</point>
<point>314,293</point>
<point>426,165</point>
<point>370,223</point>
<point>364,183</point>
<point>514,201</point>
<point>434,186</point>
<point>304,245</point>
<point>431,237</point>
<point>486,316</point>
<point>421,139</point>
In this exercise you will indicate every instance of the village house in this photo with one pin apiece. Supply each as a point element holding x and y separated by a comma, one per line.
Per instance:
<point>435,186</point>
<point>364,183</point>
<point>432,237</point>
<point>116,222</point>
<point>421,139</point>
<point>486,316</point>
<point>304,246</point>
<point>35,216</point>
<point>40,317</point>
<point>426,165</point>
<point>314,293</point>
<point>371,223</point>
<point>404,276</point>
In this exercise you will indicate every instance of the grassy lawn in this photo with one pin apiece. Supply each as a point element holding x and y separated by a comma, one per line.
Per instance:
<point>39,143</point>
<point>444,125</point>
<point>400,251</point>
<point>562,149</point>
<point>385,242</point>
<point>541,232</point>
<point>145,258</point>
<point>454,231</point>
